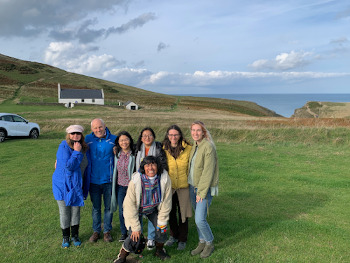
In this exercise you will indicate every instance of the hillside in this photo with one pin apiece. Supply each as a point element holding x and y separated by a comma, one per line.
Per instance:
<point>32,82</point>
<point>318,109</point>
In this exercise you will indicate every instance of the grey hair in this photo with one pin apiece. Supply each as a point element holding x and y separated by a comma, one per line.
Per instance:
<point>103,123</point>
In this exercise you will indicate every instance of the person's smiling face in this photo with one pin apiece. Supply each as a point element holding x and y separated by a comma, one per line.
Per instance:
<point>197,133</point>
<point>124,143</point>
<point>147,138</point>
<point>98,128</point>
<point>151,169</point>
<point>174,137</point>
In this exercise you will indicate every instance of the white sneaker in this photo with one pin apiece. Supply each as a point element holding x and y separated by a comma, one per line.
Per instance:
<point>151,244</point>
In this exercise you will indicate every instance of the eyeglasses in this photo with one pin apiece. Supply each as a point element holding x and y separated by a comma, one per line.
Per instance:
<point>147,136</point>
<point>76,133</point>
<point>122,141</point>
<point>173,135</point>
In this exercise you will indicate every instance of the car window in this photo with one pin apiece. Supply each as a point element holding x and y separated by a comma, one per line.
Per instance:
<point>7,118</point>
<point>18,119</point>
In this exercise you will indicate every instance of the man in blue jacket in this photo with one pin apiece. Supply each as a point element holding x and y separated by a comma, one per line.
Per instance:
<point>99,177</point>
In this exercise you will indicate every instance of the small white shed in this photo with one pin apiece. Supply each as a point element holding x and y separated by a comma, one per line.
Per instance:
<point>131,105</point>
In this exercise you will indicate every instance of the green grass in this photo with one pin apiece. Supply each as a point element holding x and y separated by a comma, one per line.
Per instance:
<point>278,202</point>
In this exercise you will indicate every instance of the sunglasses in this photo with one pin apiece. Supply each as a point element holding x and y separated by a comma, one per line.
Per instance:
<point>76,133</point>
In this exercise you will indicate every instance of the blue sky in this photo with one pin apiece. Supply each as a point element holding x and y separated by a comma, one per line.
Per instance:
<point>187,47</point>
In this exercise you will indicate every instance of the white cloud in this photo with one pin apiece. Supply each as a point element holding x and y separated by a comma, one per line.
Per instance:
<point>284,61</point>
<point>76,59</point>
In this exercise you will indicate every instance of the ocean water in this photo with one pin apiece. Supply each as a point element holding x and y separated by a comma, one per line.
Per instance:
<point>282,104</point>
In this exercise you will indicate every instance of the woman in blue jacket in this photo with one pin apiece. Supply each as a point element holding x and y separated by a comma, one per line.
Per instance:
<point>67,180</point>
<point>124,167</point>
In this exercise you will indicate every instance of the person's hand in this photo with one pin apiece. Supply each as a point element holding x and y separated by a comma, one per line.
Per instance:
<point>115,150</point>
<point>77,146</point>
<point>161,228</point>
<point>198,199</point>
<point>135,235</point>
<point>55,164</point>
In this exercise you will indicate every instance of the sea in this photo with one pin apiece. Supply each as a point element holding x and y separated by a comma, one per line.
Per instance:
<point>282,104</point>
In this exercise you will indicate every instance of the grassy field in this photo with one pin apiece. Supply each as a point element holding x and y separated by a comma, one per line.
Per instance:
<point>283,193</point>
<point>277,203</point>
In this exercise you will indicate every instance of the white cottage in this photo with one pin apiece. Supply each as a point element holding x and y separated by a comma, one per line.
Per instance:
<point>74,96</point>
<point>131,105</point>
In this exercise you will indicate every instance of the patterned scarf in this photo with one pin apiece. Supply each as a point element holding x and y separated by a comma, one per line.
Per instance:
<point>151,194</point>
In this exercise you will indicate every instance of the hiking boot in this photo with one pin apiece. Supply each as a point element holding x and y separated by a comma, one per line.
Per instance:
<point>76,241</point>
<point>151,244</point>
<point>181,246</point>
<point>95,236</point>
<point>65,242</point>
<point>208,249</point>
<point>198,249</point>
<point>171,241</point>
<point>107,237</point>
<point>161,253</point>
<point>121,256</point>
<point>123,237</point>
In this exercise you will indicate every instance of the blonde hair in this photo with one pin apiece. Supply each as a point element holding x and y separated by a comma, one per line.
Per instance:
<point>206,133</point>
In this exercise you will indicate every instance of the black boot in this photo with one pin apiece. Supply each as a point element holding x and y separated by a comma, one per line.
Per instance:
<point>160,251</point>
<point>66,235</point>
<point>75,235</point>
<point>121,256</point>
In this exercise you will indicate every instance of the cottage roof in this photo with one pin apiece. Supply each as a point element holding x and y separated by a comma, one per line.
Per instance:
<point>81,94</point>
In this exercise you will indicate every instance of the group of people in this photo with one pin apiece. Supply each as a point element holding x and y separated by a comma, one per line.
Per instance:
<point>153,180</point>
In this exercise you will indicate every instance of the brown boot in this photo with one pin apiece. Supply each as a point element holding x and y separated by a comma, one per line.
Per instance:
<point>107,237</point>
<point>121,256</point>
<point>95,236</point>
<point>198,249</point>
<point>208,249</point>
<point>160,251</point>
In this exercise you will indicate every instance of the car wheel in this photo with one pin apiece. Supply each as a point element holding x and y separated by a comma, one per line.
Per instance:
<point>2,136</point>
<point>34,134</point>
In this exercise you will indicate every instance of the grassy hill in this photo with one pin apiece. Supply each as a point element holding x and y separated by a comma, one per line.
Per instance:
<point>32,82</point>
<point>318,109</point>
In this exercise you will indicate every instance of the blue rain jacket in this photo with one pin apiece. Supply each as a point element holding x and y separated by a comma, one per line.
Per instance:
<point>67,179</point>
<point>101,160</point>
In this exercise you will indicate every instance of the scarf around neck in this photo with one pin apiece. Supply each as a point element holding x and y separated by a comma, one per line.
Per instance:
<point>151,194</point>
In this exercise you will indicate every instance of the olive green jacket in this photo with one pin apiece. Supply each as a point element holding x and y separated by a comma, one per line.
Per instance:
<point>206,169</point>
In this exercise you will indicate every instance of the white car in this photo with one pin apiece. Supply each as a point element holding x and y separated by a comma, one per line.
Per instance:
<point>14,125</point>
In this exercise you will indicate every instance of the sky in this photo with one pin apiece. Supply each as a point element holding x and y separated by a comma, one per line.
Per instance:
<point>187,47</point>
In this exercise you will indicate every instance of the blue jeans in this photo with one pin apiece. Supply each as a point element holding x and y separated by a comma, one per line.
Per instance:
<point>96,193</point>
<point>151,231</point>
<point>121,195</point>
<point>200,210</point>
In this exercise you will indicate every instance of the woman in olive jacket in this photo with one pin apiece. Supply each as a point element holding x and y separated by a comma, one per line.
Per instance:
<point>203,180</point>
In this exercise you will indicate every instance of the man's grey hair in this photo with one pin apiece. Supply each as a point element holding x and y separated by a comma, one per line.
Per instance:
<point>99,120</point>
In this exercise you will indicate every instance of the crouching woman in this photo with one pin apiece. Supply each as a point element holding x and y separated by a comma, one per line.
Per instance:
<point>149,194</point>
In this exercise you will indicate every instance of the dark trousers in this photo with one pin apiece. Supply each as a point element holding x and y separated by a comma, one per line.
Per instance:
<point>178,229</point>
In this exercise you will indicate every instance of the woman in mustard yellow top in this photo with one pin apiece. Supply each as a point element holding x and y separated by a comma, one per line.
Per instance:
<point>178,150</point>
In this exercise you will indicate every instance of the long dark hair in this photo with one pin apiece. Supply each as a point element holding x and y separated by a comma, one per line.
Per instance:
<point>174,151</point>
<point>131,142</point>
<point>139,140</point>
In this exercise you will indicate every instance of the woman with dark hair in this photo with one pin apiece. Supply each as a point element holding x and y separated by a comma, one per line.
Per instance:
<point>178,151</point>
<point>203,179</point>
<point>149,194</point>
<point>124,167</point>
<point>67,182</point>
<point>145,146</point>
